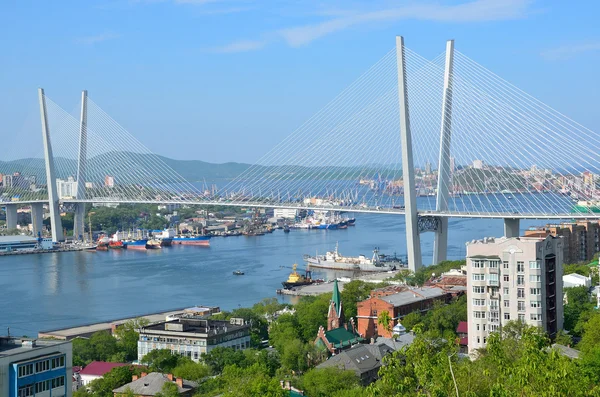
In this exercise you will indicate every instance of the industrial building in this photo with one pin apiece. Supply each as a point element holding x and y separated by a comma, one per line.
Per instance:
<point>30,367</point>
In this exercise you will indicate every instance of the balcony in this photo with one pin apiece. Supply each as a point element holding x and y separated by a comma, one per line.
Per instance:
<point>493,283</point>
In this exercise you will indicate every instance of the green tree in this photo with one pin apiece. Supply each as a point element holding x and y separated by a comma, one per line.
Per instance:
<point>187,369</point>
<point>220,357</point>
<point>127,337</point>
<point>327,381</point>
<point>104,345</point>
<point>169,389</point>
<point>117,377</point>
<point>591,334</point>
<point>161,360</point>
<point>411,319</point>
<point>249,382</point>
<point>311,313</point>
<point>385,320</point>
<point>267,307</point>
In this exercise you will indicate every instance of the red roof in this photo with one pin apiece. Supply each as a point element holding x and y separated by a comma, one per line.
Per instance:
<point>99,368</point>
<point>464,341</point>
<point>463,328</point>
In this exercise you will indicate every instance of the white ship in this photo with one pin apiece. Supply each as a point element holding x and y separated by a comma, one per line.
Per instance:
<point>334,260</point>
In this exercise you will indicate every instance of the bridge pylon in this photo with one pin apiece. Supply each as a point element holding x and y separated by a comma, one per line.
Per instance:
<point>79,219</point>
<point>53,204</point>
<point>440,242</point>
<point>413,240</point>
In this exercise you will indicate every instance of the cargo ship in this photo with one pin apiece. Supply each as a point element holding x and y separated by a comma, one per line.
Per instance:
<point>295,279</point>
<point>135,244</point>
<point>334,260</point>
<point>192,240</point>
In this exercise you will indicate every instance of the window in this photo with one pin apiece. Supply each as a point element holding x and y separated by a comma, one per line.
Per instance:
<point>535,304</point>
<point>26,391</point>
<point>477,326</point>
<point>25,370</point>
<point>520,267</point>
<point>535,317</point>
<point>478,302</point>
<point>521,306</point>
<point>534,264</point>
<point>520,280</point>
<point>505,264</point>
<point>478,277</point>
<point>478,339</point>
<point>478,264</point>
<point>507,316</point>
<point>493,327</point>
<point>484,339</point>
<point>42,386</point>
<point>493,264</point>
<point>505,289</point>
<point>478,290</point>
<point>506,303</point>
<point>493,277</point>
<point>58,362</point>
<point>521,318</point>
<point>42,366</point>
<point>484,327</point>
<point>58,382</point>
<point>535,291</point>
<point>478,314</point>
<point>520,292</point>
<point>535,278</point>
<point>505,278</point>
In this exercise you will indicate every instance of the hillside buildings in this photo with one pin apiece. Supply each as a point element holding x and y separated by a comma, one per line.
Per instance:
<point>581,239</point>
<point>398,301</point>
<point>31,367</point>
<point>148,385</point>
<point>513,279</point>
<point>193,336</point>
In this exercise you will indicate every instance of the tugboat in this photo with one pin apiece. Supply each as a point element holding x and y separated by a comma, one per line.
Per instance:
<point>295,279</point>
<point>238,273</point>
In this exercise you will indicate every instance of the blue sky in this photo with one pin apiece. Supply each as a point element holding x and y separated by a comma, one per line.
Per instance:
<point>225,80</point>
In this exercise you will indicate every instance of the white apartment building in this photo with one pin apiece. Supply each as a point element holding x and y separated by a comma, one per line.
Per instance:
<point>287,213</point>
<point>517,278</point>
<point>66,189</point>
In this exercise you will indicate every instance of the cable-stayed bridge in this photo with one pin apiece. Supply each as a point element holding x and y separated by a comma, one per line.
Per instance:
<point>428,139</point>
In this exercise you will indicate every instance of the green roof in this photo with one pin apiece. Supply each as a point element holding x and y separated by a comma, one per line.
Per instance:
<point>296,394</point>
<point>341,337</point>
<point>335,297</point>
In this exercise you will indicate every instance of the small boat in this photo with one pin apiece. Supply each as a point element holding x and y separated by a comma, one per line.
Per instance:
<point>295,279</point>
<point>238,273</point>
<point>286,229</point>
<point>153,244</point>
<point>102,244</point>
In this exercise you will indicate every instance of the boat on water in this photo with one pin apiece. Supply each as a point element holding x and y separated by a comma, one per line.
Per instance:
<point>165,237</point>
<point>153,244</point>
<point>166,242</point>
<point>286,229</point>
<point>135,244</point>
<point>238,273</point>
<point>192,240</point>
<point>102,243</point>
<point>587,206</point>
<point>115,244</point>
<point>296,279</point>
<point>334,260</point>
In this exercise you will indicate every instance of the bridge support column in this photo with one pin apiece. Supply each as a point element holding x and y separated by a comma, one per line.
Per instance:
<point>79,218</point>
<point>37,218</point>
<point>413,240</point>
<point>11,216</point>
<point>53,204</point>
<point>511,227</point>
<point>440,242</point>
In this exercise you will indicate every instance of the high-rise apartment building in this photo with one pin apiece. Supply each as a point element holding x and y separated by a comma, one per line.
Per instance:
<point>516,278</point>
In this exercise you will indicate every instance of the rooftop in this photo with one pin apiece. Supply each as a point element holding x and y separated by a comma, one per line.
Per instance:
<point>152,384</point>
<point>463,327</point>
<point>99,368</point>
<point>413,295</point>
<point>577,276</point>
<point>10,346</point>
<point>197,325</point>
<point>17,238</point>
<point>360,358</point>
<point>341,337</point>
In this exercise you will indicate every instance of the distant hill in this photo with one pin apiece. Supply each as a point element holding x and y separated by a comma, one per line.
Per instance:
<point>111,164</point>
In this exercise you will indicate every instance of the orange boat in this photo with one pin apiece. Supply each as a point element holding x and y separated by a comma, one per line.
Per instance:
<point>115,244</point>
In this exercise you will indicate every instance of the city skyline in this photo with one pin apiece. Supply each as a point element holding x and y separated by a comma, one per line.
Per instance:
<point>186,78</point>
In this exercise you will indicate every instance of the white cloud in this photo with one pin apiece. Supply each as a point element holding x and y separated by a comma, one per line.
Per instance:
<point>570,51</point>
<point>474,11</point>
<point>90,40</point>
<point>240,46</point>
